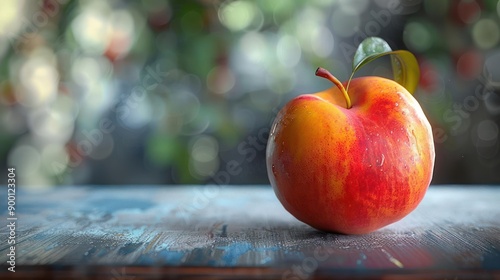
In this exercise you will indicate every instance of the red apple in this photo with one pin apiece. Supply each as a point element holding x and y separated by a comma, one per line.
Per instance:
<point>351,162</point>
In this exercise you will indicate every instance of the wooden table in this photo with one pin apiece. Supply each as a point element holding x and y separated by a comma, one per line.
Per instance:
<point>209,232</point>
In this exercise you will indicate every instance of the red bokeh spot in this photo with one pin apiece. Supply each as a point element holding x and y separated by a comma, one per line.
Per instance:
<point>466,11</point>
<point>469,65</point>
<point>428,77</point>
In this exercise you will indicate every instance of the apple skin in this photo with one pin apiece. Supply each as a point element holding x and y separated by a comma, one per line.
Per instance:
<point>356,170</point>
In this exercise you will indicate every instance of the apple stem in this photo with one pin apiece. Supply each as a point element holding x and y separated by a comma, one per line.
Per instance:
<point>321,72</point>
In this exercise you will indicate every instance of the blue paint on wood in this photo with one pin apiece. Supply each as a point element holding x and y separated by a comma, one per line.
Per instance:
<point>102,252</point>
<point>129,248</point>
<point>136,233</point>
<point>266,260</point>
<point>263,249</point>
<point>233,252</point>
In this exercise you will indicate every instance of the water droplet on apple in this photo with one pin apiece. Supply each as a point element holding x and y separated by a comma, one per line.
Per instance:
<point>380,162</point>
<point>396,104</point>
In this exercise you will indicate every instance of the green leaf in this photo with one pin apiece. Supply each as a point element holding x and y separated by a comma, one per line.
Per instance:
<point>368,50</point>
<point>404,64</point>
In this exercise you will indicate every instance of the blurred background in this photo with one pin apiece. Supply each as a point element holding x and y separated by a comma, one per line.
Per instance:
<point>184,92</point>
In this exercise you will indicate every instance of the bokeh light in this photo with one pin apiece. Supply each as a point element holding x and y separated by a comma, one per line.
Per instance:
<point>204,160</point>
<point>91,27</point>
<point>486,33</point>
<point>9,15</point>
<point>39,80</point>
<point>468,11</point>
<point>417,36</point>
<point>169,92</point>
<point>220,79</point>
<point>240,15</point>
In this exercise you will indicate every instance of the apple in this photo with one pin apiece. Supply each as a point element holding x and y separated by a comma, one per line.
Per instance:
<point>351,161</point>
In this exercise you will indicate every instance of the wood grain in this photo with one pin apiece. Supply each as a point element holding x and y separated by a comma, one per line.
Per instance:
<point>455,229</point>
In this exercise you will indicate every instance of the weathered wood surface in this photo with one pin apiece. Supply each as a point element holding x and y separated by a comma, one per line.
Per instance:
<point>454,229</point>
